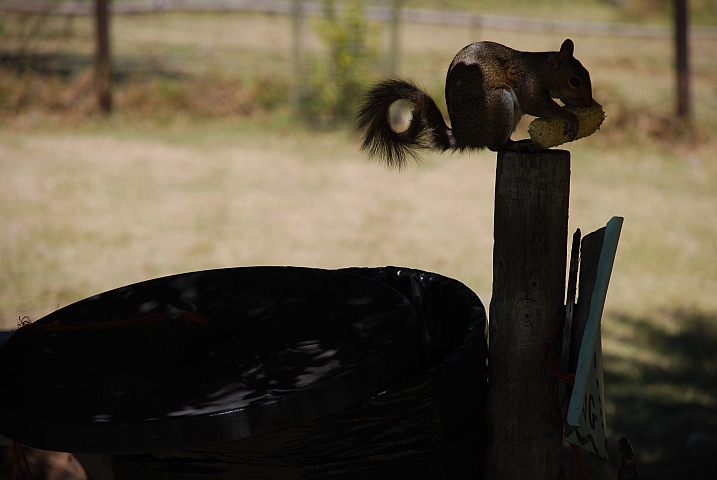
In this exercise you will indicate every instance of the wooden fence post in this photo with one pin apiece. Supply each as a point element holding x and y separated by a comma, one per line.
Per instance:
<point>682,59</point>
<point>529,261</point>
<point>396,6</point>
<point>297,26</point>
<point>103,64</point>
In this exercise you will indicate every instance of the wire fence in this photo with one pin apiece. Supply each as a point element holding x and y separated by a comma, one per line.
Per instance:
<point>375,13</point>
<point>209,57</point>
<point>237,56</point>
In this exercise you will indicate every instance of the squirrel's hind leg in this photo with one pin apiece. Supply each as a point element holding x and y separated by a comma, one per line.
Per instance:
<point>503,108</point>
<point>520,146</point>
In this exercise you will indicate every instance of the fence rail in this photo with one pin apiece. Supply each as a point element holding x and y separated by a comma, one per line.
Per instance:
<point>378,14</point>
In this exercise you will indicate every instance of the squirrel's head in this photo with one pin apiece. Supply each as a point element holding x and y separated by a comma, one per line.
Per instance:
<point>572,80</point>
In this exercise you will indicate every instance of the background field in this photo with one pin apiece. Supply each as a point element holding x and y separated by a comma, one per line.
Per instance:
<point>168,184</point>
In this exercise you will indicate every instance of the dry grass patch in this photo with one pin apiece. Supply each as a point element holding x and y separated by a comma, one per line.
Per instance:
<point>94,213</point>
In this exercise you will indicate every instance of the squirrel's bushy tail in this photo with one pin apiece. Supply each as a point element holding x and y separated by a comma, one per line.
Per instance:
<point>426,130</point>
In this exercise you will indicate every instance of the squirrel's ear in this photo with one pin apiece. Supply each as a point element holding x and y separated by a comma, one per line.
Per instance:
<point>565,53</point>
<point>567,48</point>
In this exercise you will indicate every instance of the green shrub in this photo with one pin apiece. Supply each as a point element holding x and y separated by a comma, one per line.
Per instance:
<point>334,84</point>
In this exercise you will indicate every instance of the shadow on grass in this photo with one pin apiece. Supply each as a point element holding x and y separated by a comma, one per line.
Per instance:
<point>663,387</point>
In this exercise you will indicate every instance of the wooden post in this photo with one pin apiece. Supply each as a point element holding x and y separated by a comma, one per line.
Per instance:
<point>103,64</point>
<point>682,59</point>
<point>395,23</point>
<point>297,25</point>
<point>529,261</point>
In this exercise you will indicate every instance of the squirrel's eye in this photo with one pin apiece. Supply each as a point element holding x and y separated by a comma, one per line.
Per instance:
<point>575,82</point>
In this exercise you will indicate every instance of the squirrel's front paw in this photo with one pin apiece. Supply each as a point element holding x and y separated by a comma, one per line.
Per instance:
<point>571,130</point>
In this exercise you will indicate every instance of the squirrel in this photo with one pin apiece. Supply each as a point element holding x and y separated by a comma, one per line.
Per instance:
<point>488,88</point>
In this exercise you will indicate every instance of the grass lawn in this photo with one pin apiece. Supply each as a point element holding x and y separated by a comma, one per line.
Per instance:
<point>92,204</point>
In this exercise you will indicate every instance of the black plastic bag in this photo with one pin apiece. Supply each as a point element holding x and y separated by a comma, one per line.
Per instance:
<point>430,424</point>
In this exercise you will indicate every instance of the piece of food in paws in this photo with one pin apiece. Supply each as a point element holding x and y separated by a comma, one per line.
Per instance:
<point>550,132</point>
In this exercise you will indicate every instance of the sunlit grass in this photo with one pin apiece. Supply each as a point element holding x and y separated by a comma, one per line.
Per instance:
<point>194,185</point>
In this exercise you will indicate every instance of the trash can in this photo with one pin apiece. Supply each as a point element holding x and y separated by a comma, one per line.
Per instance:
<point>259,372</point>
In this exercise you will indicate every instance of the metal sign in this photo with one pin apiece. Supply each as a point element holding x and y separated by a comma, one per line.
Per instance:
<point>586,412</point>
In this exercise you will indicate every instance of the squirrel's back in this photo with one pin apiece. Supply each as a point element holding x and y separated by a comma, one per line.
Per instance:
<point>476,82</point>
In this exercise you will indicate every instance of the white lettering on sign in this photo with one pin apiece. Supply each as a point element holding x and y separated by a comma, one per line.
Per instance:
<point>589,431</point>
